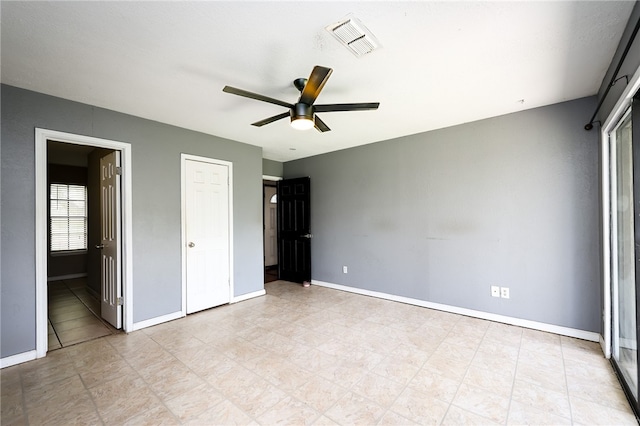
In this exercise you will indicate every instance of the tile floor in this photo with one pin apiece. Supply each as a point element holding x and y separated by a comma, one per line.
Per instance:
<point>74,314</point>
<point>319,356</point>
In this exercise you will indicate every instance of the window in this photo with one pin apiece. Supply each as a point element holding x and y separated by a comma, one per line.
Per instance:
<point>274,199</point>
<point>68,217</point>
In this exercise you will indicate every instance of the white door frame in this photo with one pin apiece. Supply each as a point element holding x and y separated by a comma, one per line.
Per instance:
<point>41,138</point>
<point>183,222</point>
<point>621,106</point>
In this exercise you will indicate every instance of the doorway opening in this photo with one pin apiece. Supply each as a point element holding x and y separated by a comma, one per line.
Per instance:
<point>64,238</point>
<point>270,227</point>
<point>74,287</point>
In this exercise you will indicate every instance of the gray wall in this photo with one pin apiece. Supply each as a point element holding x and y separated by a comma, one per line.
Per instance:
<point>441,216</point>
<point>156,149</point>
<point>272,168</point>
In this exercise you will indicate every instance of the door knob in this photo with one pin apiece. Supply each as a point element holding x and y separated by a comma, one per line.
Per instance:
<point>191,245</point>
<point>100,246</point>
<point>307,236</point>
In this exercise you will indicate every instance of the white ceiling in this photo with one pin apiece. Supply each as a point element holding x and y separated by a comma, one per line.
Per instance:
<point>441,64</point>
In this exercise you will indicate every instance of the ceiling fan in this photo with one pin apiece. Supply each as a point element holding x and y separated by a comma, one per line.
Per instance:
<point>303,113</point>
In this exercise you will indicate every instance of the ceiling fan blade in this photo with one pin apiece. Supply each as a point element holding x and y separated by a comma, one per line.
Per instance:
<point>320,125</point>
<point>346,107</point>
<point>271,119</point>
<point>251,95</point>
<point>315,83</point>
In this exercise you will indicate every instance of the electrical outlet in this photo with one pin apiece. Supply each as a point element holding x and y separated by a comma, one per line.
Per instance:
<point>495,291</point>
<point>345,270</point>
<point>504,292</point>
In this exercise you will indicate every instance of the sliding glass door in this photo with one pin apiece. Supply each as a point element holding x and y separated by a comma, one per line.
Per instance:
<point>623,250</point>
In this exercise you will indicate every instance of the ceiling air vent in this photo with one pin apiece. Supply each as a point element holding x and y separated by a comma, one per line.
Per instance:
<point>354,35</point>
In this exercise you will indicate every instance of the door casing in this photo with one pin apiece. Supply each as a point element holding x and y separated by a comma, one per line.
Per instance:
<point>183,237</point>
<point>41,214</point>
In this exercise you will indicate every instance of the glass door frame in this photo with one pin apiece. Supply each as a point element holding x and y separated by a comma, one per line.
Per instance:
<point>608,170</point>
<point>632,112</point>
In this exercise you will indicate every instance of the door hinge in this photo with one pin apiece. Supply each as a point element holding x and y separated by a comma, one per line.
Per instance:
<point>120,301</point>
<point>119,171</point>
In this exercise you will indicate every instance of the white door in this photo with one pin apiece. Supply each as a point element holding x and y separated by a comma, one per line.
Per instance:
<point>111,291</point>
<point>270,229</point>
<point>207,235</point>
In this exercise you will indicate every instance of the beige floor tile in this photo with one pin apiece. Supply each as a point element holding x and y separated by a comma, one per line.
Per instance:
<point>483,403</point>
<point>76,410</point>
<point>77,323</point>
<point>493,380</point>
<point>541,398</point>
<point>56,366</point>
<point>590,413</point>
<point>224,413</point>
<point>393,419</point>
<point>542,360</point>
<point>313,356</point>
<point>12,408</point>
<point>345,374</point>
<point>319,393</point>
<point>396,369</point>
<point>434,385</point>
<point>159,415</point>
<point>99,374</point>
<point>353,409</point>
<point>458,416</point>
<point>289,411</point>
<point>326,421</point>
<point>419,408</point>
<point>521,414</point>
<point>53,342</point>
<point>54,393</point>
<point>609,395</point>
<point>548,379</point>
<point>238,377</point>
<point>122,399</point>
<point>381,390</point>
<point>195,401</point>
<point>81,334</point>
<point>258,398</point>
<point>455,370</point>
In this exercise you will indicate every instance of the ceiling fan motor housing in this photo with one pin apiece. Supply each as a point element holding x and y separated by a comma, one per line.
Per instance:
<point>302,111</point>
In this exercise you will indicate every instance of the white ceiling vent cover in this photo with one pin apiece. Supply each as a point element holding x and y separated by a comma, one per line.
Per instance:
<point>354,35</point>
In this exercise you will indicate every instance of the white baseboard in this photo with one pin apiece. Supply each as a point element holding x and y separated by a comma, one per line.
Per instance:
<point>248,296</point>
<point>17,359</point>
<point>556,329</point>
<point>157,320</point>
<point>67,277</point>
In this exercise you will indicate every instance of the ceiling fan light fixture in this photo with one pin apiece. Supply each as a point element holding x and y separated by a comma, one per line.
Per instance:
<point>302,116</point>
<point>301,123</point>
<point>352,34</point>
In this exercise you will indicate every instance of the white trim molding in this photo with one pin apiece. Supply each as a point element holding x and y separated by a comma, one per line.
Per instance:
<point>17,359</point>
<point>157,320</point>
<point>183,225</point>
<point>268,177</point>
<point>248,296</point>
<point>550,328</point>
<point>41,138</point>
